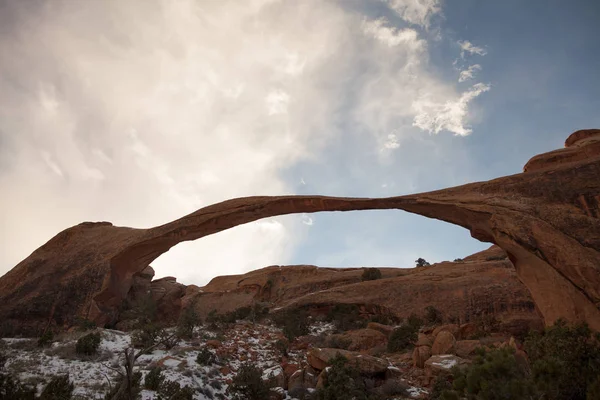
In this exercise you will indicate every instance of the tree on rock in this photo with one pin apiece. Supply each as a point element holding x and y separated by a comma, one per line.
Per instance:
<point>371,274</point>
<point>421,262</point>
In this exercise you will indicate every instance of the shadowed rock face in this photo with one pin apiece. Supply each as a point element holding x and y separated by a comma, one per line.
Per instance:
<point>546,219</point>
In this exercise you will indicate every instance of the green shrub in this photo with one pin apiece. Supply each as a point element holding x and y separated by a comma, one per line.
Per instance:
<point>171,390</point>
<point>248,384</point>
<point>385,319</point>
<point>142,309</point>
<point>85,324</point>
<point>154,379</point>
<point>46,338</point>
<point>421,262</point>
<point>343,382</point>
<point>346,317</point>
<point>402,338</point>
<point>371,274</point>
<point>147,336</point>
<point>433,315</point>
<point>415,321</point>
<point>11,388</point>
<point>135,389</point>
<point>88,344</point>
<point>338,342</point>
<point>294,323</point>
<point>59,388</point>
<point>206,358</point>
<point>494,375</point>
<point>282,346</point>
<point>565,361</point>
<point>188,321</point>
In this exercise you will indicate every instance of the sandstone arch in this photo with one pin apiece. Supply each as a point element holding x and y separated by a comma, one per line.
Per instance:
<point>545,218</point>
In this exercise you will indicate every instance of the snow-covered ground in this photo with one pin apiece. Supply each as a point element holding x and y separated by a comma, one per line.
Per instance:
<point>92,376</point>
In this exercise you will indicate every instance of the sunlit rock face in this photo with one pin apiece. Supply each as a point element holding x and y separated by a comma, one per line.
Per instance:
<point>545,219</point>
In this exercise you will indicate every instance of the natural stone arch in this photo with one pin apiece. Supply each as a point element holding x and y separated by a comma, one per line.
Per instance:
<point>546,219</point>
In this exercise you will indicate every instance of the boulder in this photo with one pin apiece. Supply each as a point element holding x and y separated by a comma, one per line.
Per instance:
<point>443,363</point>
<point>364,339</point>
<point>444,343</point>
<point>420,355</point>
<point>275,376</point>
<point>466,348</point>
<point>467,330</point>
<point>367,365</point>
<point>452,328</point>
<point>304,378</point>
<point>424,340</point>
<point>385,329</point>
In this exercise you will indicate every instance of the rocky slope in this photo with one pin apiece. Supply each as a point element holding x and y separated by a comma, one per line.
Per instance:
<point>546,219</point>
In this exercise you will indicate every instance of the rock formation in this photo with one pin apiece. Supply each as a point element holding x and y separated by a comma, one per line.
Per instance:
<point>546,219</point>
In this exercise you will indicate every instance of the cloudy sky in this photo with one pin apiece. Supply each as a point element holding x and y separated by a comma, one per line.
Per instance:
<point>139,112</point>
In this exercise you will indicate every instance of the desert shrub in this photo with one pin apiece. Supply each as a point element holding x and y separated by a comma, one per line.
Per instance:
<point>346,317</point>
<point>282,346</point>
<point>442,388</point>
<point>248,384</point>
<point>88,344</point>
<point>188,321</point>
<point>148,335</point>
<point>385,319</point>
<point>338,342</point>
<point>167,339</point>
<point>258,311</point>
<point>46,338</point>
<point>565,360</point>
<point>402,338</point>
<point>485,324</point>
<point>393,387</point>
<point>85,324</point>
<point>206,357</point>
<point>421,262</point>
<point>433,315</point>
<point>458,260</point>
<point>371,274</point>
<point>415,321</point>
<point>171,390</point>
<point>343,382</point>
<point>134,391</point>
<point>593,390</point>
<point>216,384</point>
<point>294,323</point>
<point>230,317</point>
<point>154,379</point>
<point>206,392</point>
<point>142,308</point>
<point>494,375</point>
<point>13,389</point>
<point>59,388</point>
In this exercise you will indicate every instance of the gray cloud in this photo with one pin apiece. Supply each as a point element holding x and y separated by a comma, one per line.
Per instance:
<point>140,112</point>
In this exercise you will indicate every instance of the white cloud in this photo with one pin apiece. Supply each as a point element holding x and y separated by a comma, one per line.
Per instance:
<point>468,47</point>
<point>141,112</point>
<point>391,142</point>
<point>435,117</point>
<point>418,12</point>
<point>469,73</point>
<point>391,36</point>
<point>306,220</point>
<point>277,102</point>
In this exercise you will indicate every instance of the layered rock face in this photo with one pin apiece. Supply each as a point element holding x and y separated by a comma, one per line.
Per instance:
<point>546,219</point>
